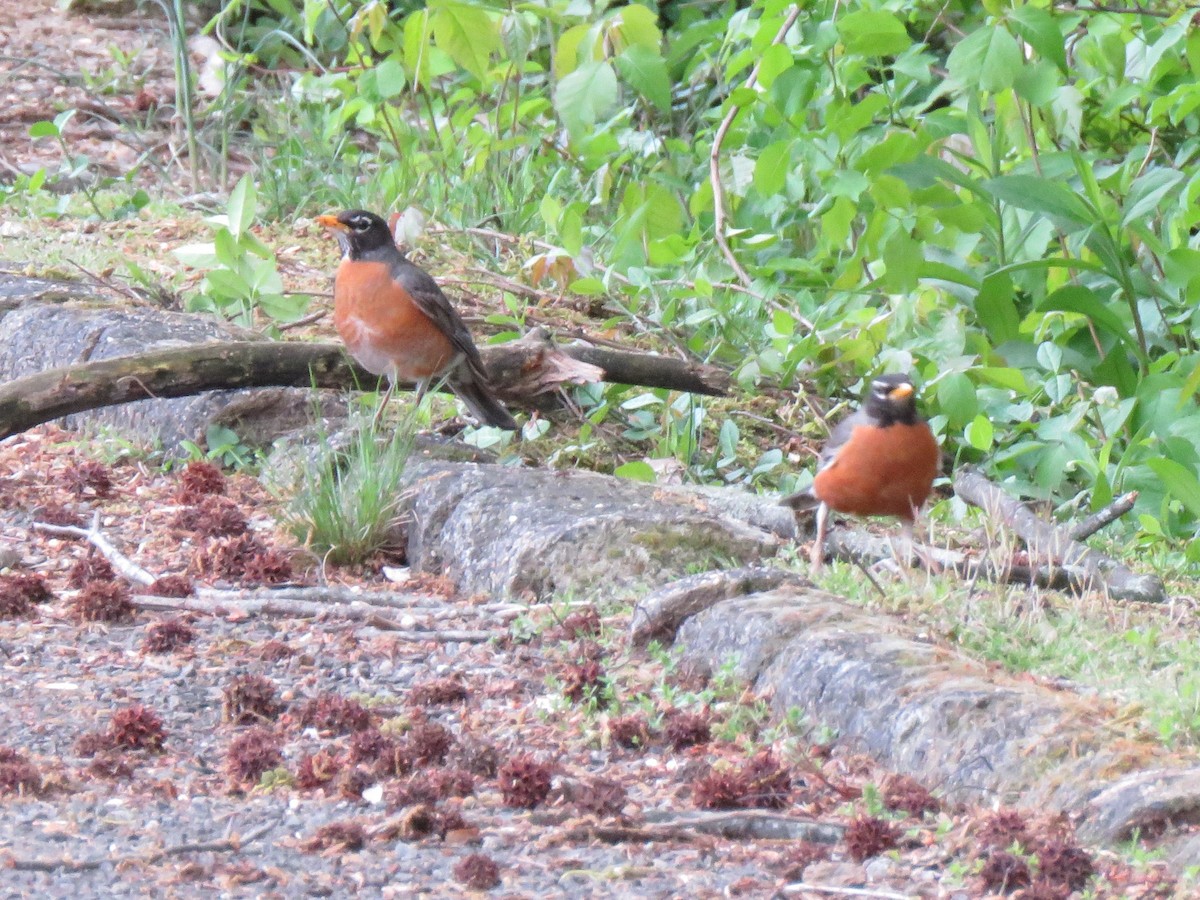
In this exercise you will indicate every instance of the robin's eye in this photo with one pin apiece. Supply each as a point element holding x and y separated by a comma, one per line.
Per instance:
<point>360,224</point>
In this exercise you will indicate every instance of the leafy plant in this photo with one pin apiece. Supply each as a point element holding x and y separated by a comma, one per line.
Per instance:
<point>242,277</point>
<point>349,499</point>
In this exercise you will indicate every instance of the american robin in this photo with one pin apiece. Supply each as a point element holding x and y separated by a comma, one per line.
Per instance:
<point>396,321</point>
<point>880,461</point>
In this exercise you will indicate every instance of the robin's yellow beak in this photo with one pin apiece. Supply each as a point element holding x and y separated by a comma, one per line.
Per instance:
<point>331,221</point>
<point>900,392</point>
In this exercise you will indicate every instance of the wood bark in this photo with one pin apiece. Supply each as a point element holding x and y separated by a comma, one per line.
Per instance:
<point>520,371</point>
<point>1052,547</point>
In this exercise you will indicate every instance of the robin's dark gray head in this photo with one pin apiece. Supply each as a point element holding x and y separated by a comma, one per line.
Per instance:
<point>891,399</point>
<point>359,233</point>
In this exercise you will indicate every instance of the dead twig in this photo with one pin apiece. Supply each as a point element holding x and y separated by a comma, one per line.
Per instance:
<point>224,845</point>
<point>720,215</point>
<point>1104,516</point>
<point>123,564</point>
<point>800,887</point>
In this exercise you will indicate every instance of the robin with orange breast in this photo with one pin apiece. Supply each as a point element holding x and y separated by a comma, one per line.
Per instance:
<point>396,322</point>
<point>880,461</point>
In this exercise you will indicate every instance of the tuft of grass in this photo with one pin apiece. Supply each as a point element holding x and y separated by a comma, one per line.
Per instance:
<point>344,512</point>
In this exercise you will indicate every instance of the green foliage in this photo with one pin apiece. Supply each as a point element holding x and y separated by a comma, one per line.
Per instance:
<point>350,496</point>
<point>241,273</point>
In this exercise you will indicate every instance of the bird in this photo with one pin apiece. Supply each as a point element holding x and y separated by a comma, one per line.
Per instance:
<point>396,322</point>
<point>879,461</point>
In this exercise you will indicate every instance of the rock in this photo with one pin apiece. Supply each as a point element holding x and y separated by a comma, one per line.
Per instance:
<point>519,533</point>
<point>39,336</point>
<point>926,711</point>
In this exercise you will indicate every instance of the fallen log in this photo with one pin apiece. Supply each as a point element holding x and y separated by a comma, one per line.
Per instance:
<point>521,371</point>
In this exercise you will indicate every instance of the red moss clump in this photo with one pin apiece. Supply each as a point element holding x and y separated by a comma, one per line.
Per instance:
<point>200,478</point>
<point>171,586</point>
<point>167,636</point>
<point>368,745</point>
<point>91,567</point>
<point>584,681</point>
<point>687,729</point>
<point>351,783</point>
<point>721,788</point>
<point>213,516</point>
<point>800,856</point>
<point>1004,828</point>
<point>597,796</point>
<point>582,623</point>
<point>867,836</point>
<point>906,795</point>
<point>93,743</point>
<point>57,514</point>
<point>768,783</point>
<point>19,593</point>
<point>437,692</point>
<point>103,601</point>
<point>242,559</point>
<point>630,731</point>
<point>111,766</point>
<point>1004,872</point>
<point>1062,863</point>
<point>477,872</point>
<point>412,791</point>
<point>344,836</point>
<point>250,700</point>
<point>452,783</point>
<point>18,775</point>
<point>332,714</point>
<point>524,781</point>
<point>429,742</point>
<point>477,757</point>
<point>395,760</point>
<point>274,651</point>
<point>89,475</point>
<point>251,754</point>
<point>138,727</point>
<point>318,769</point>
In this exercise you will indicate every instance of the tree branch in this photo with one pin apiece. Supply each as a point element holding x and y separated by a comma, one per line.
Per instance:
<point>520,371</point>
<point>720,215</point>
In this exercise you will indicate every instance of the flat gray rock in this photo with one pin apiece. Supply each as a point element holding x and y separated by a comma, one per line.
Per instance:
<point>513,532</point>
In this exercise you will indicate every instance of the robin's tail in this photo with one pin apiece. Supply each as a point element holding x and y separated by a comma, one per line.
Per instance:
<point>481,401</point>
<point>801,501</point>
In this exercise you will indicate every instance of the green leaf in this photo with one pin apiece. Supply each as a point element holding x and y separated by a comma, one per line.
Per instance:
<point>996,309</point>
<point>980,433</point>
<point>239,210</point>
<point>43,129</point>
<point>646,72</point>
<point>775,61</point>
<point>638,470</point>
<point>585,95</point>
<point>635,26</point>
<point>1147,192</point>
<point>988,58</point>
<point>1079,299</point>
<point>197,255</point>
<point>873,33</point>
<point>1180,482</point>
<point>390,79</point>
<point>1043,196</point>
<point>466,33</point>
<point>1040,31</point>
<point>417,31</point>
<point>957,399</point>
<point>771,168</point>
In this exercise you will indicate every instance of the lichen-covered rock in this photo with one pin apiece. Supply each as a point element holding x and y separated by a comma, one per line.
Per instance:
<point>514,532</point>
<point>927,711</point>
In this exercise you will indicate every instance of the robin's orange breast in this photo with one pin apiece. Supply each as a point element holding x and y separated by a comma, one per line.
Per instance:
<point>383,328</point>
<point>881,471</point>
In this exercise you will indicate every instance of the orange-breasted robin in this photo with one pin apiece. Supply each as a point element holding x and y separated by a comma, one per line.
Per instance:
<point>880,461</point>
<point>396,321</point>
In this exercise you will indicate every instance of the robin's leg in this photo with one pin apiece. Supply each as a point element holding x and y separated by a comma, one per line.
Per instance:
<point>817,554</point>
<point>383,402</point>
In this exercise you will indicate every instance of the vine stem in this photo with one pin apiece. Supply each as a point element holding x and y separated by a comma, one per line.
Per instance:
<point>720,215</point>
